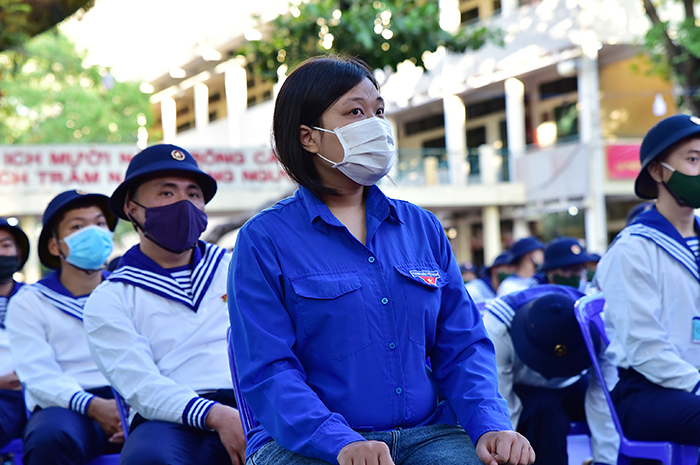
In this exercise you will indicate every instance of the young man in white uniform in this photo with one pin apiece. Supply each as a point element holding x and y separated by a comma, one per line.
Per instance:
<point>14,251</point>
<point>74,417</point>
<point>157,327</point>
<point>651,282</point>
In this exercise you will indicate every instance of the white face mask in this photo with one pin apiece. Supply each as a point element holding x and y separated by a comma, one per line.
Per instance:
<point>369,150</point>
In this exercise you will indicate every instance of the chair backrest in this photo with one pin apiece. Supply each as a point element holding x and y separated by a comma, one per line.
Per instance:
<point>247,419</point>
<point>123,408</point>
<point>588,311</point>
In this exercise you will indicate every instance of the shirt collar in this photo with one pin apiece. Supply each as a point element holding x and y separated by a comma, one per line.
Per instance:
<point>137,269</point>
<point>378,205</point>
<point>654,226</point>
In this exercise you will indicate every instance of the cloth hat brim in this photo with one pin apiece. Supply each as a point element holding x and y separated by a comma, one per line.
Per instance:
<point>644,186</point>
<point>22,242</point>
<point>579,259</point>
<point>52,261</point>
<point>155,170</point>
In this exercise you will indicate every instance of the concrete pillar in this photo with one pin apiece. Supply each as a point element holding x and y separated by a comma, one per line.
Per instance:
<point>201,106</point>
<point>236,86</point>
<point>455,139</point>
<point>464,239</point>
<point>31,225</point>
<point>515,123</point>
<point>508,7</point>
<point>168,116</point>
<point>591,138</point>
<point>520,229</point>
<point>491,220</point>
<point>488,165</point>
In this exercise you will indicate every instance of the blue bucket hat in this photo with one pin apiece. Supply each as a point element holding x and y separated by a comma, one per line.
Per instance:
<point>20,239</point>
<point>155,161</point>
<point>468,266</point>
<point>563,252</point>
<point>524,246</point>
<point>61,203</point>
<point>662,136</point>
<point>547,337</point>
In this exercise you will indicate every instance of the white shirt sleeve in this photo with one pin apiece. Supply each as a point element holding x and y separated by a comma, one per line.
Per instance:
<point>124,356</point>
<point>504,365</point>
<point>44,381</point>
<point>604,437</point>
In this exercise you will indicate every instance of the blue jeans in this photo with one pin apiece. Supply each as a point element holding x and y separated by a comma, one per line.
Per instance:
<point>422,445</point>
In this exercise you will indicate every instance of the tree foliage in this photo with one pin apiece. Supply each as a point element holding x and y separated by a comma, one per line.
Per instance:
<point>50,96</point>
<point>674,51</point>
<point>383,33</point>
<point>23,19</point>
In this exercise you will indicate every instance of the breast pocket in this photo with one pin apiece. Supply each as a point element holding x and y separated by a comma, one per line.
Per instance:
<point>331,314</point>
<point>422,284</point>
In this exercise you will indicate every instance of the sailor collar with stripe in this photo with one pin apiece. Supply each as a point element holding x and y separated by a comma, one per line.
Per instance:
<point>504,307</point>
<point>654,226</point>
<point>137,269</point>
<point>5,299</point>
<point>60,297</point>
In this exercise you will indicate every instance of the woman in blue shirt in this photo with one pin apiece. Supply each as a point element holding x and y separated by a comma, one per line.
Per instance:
<point>338,295</point>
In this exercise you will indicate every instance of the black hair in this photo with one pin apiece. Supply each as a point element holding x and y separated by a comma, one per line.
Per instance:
<point>75,205</point>
<point>306,94</point>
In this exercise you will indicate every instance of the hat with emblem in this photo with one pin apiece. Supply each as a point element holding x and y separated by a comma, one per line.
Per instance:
<point>563,252</point>
<point>20,239</point>
<point>60,204</point>
<point>662,136</point>
<point>157,161</point>
<point>547,337</point>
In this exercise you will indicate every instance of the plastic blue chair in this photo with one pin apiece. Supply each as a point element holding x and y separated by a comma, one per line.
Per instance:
<point>247,418</point>
<point>14,448</point>
<point>588,311</point>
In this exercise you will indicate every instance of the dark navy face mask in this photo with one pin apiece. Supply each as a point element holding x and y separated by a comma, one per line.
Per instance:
<point>8,266</point>
<point>175,227</point>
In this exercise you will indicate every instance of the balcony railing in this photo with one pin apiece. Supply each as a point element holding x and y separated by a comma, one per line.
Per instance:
<point>418,167</point>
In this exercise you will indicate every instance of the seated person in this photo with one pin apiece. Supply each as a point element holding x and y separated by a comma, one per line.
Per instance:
<point>469,271</point>
<point>542,372</point>
<point>14,251</point>
<point>338,294</point>
<point>74,416</point>
<point>651,282</point>
<point>565,263</point>
<point>526,256</point>
<point>484,288</point>
<point>157,326</point>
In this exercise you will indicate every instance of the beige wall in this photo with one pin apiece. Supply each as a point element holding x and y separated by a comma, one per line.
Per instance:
<point>627,97</point>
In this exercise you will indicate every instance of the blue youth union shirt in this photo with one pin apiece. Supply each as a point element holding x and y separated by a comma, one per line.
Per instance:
<point>331,336</point>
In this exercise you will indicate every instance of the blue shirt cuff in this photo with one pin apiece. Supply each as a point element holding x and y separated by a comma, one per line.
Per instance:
<point>196,411</point>
<point>485,420</point>
<point>80,402</point>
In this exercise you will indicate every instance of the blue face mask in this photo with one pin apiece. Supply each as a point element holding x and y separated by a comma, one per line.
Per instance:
<point>89,247</point>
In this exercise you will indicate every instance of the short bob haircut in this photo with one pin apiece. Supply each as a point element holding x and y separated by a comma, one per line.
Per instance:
<point>306,94</point>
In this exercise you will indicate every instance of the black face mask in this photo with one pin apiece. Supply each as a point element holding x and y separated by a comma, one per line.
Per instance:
<point>8,266</point>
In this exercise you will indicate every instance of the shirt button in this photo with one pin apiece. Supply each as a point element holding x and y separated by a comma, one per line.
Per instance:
<point>398,390</point>
<point>371,259</point>
<point>392,345</point>
<point>385,300</point>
